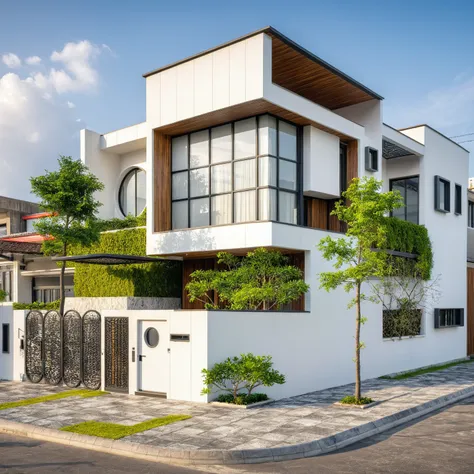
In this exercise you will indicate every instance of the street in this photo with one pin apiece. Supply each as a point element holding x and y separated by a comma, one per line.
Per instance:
<point>439,443</point>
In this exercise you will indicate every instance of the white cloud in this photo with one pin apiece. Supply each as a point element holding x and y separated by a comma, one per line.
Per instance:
<point>33,60</point>
<point>37,123</point>
<point>11,60</point>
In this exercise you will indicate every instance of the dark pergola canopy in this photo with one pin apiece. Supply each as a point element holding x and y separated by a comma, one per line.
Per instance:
<point>391,151</point>
<point>107,259</point>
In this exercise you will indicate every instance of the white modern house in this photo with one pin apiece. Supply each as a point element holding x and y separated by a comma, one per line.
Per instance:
<point>249,145</point>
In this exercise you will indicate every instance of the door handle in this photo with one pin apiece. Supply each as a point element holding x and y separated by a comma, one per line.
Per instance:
<point>140,358</point>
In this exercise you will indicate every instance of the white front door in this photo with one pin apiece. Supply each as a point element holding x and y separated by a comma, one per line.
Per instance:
<point>153,357</point>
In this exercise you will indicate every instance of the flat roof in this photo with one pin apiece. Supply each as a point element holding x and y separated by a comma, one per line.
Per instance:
<point>274,33</point>
<point>434,130</point>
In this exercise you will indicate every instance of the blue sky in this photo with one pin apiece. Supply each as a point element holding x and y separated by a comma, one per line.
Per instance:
<point>419,55</point>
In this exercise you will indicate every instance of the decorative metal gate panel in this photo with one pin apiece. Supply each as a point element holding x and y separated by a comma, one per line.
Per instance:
<point>72,345</point>
<point>34,346</point>
<point>116,354</point>
<point>52,348</point>
<point>66,349</point>
<point>91,343</point>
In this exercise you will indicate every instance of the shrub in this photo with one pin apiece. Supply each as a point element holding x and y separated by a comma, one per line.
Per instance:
<point>352,400</point>
<point>401,322</point>
<point>246,372</point>
<point>242,398</point>
<point>3,295</point>
<point>37,305</point>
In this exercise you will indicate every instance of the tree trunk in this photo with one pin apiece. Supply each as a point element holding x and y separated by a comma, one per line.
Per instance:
<point>357,344</point>
<point>61,283</point>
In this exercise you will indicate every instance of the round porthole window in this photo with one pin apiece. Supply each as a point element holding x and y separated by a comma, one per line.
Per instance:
<point>152,337</point>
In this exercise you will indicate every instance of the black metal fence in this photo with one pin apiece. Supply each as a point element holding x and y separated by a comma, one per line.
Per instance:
<point>63,349</point>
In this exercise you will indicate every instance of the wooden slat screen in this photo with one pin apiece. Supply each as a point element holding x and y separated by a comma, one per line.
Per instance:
<point>162,183</point>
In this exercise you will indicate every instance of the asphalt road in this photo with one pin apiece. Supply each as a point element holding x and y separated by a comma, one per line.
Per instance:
<point>442,442</point>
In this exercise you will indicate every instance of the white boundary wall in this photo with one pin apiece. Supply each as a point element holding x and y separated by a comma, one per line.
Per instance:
<point>12,365</point>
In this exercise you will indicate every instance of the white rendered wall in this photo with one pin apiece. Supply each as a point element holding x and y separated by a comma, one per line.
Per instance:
<point>106,166</point>
<point>216,80</point>
<point>321,177</point>
<point>369,115</point>
<point>447,231</point>
<point>12,365</point>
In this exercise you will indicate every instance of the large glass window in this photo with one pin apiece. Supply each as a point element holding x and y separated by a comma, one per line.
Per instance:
<point>132,194</point>
<point>238,172</point>
<point>409,189</point>
<point>3,230</point>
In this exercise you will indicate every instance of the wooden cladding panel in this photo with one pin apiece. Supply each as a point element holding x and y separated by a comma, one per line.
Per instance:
<point>470,311</point>
<point>297,259</point>
<point>189,266</point>
<point>352,161</point>
<point>162,182</point>
<point>296,72</point>
<point>316,213</point>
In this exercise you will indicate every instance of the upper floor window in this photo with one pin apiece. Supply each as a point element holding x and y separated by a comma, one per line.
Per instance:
<point>409,189</point>
<point>457,199</point>
<point>3,230</point>
<point>442,194</point>
<point>242,171</point>
<point>132,194</point>
<point>470,214</point>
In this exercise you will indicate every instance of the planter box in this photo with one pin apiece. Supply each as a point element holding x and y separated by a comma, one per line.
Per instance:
<point>350,405</point>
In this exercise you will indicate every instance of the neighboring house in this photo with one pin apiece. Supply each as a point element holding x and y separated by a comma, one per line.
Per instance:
<point>249,145</point>
<point>25,274</point>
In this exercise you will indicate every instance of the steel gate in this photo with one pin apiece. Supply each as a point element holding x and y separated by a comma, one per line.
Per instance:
<point>63,349</point>
<point>116,354</point>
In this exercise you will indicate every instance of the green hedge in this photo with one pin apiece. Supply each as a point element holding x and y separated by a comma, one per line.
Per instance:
<point>124,223</point>
<point>37,305</point>
<point>405,236</point>
<point>161,279</point>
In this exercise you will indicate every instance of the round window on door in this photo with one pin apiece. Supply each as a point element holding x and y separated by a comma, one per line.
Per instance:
<point>152,338</point>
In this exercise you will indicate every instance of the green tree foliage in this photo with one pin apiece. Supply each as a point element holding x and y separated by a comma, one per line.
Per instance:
<point>262,280</point>
<point>3,295</point>
<point>68,195</point>
<point>353,257</point>
<point>246,372</point>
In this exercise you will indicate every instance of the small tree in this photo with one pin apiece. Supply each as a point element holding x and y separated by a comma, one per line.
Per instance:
<point>68,196</point>
<point>261,280</point>
<point>355,260</point>
<point>245,372</point>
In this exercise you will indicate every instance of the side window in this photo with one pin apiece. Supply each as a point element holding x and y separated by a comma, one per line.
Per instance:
<point>442,194</point>
<point>409,189</point>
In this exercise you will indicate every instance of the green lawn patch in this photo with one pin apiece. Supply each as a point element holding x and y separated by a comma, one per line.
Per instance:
<point>116,431</point>
<point>84,393</point>
<point>427,370</point>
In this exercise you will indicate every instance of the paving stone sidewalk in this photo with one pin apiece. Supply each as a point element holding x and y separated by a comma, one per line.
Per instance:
<point>305,418</point>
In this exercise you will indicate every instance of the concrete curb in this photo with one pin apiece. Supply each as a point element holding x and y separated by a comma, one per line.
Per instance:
<point>219,456</point>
